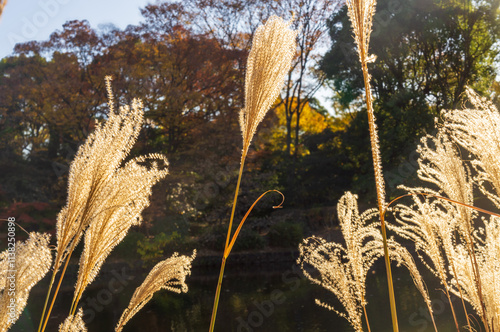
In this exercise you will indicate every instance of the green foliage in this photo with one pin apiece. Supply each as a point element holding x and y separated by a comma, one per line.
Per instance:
<point>286,234</point>
<point>249,239</point>
<point>128,248</point>
<point>154,249</point>
<point>427,52</point>
<point>214,238</point>
<point>431,49</point>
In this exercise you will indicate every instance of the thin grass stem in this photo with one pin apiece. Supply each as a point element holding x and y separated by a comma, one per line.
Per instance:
<point>451,307</point>
<point>366,318</point>
<point>378,183</point>
<point>392,299</point>
<point>221,273</point>
<point>217,294</point>
<point>58,286</point>
<point>237,232</point>
<point>52,279</point>
<point>461,294</point>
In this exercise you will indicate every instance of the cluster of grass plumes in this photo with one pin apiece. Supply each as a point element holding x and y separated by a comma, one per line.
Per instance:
<point>452,240</point>
<point>23,267</point>
<point>126,198</point>
<point>343,270</point>
<point>105,199</point>
<point>457,243</point>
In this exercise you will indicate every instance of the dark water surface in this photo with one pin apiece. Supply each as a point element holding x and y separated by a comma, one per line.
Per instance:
<point>254,298</point>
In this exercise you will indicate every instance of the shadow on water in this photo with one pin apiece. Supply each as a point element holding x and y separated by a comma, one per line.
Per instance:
<point>254,298</point>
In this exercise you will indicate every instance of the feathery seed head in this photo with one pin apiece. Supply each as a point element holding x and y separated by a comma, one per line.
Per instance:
<point>361,15</point>
<point>270,58</point>
<point>169,274</point>
<point>343,270</point>
<point>73,323</point>
<point>32,261</point>
<point>92,170</point>
<point>106,198</point>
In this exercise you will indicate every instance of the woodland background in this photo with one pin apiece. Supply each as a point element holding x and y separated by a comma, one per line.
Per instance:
<point>186,61</point>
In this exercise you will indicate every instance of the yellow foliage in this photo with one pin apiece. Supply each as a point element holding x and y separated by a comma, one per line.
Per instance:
<point>312,121</point>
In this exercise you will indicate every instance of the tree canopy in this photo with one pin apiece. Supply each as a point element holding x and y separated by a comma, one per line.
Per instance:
<point>426,53</point>
<point>186,61</point>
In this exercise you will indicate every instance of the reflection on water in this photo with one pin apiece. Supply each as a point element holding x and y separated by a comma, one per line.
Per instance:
<point>254,298</point>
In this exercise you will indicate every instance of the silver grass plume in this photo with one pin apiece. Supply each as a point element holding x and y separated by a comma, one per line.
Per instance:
<point>123,191</point>
<point>92,170</point>
<point>361,16</point>
<point>441,164</point>
<point>127,196</point>
<point>270,58</point>
<point>343,270</point>
<point>478,131</point>
<point>73,323</point>
<point>169,274</point>
<point>29,264</point>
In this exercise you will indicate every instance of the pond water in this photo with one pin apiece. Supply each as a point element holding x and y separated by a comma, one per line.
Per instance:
<point>254,298</point>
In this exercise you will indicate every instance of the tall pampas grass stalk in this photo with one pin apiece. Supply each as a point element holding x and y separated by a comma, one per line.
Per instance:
<point>104,198</point>
<point>270,58</point>
<point>361,15</point>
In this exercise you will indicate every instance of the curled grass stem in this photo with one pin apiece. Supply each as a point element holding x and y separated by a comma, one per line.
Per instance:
<point>230,241</point>
<point>221,273</point>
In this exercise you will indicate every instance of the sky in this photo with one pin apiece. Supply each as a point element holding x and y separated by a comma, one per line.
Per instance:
<point>25,20</point>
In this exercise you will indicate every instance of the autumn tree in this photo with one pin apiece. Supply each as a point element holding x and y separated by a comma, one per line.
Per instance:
<point>426,53</point>
<point>59,84</point>
<point>230,22</point>
<point>304,79</point>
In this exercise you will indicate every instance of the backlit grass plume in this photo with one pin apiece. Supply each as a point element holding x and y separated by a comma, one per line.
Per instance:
<point>104,198</point>
<point>478,131</point>
<point>343,270</point>
<point>20,270</point>
<point>92,170</point>
<point>73,323</point>
<point>169,274</point>
<point>270,58</point>
<point>451,239</point>
<point>273,49</point>
<point>127,196</point>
